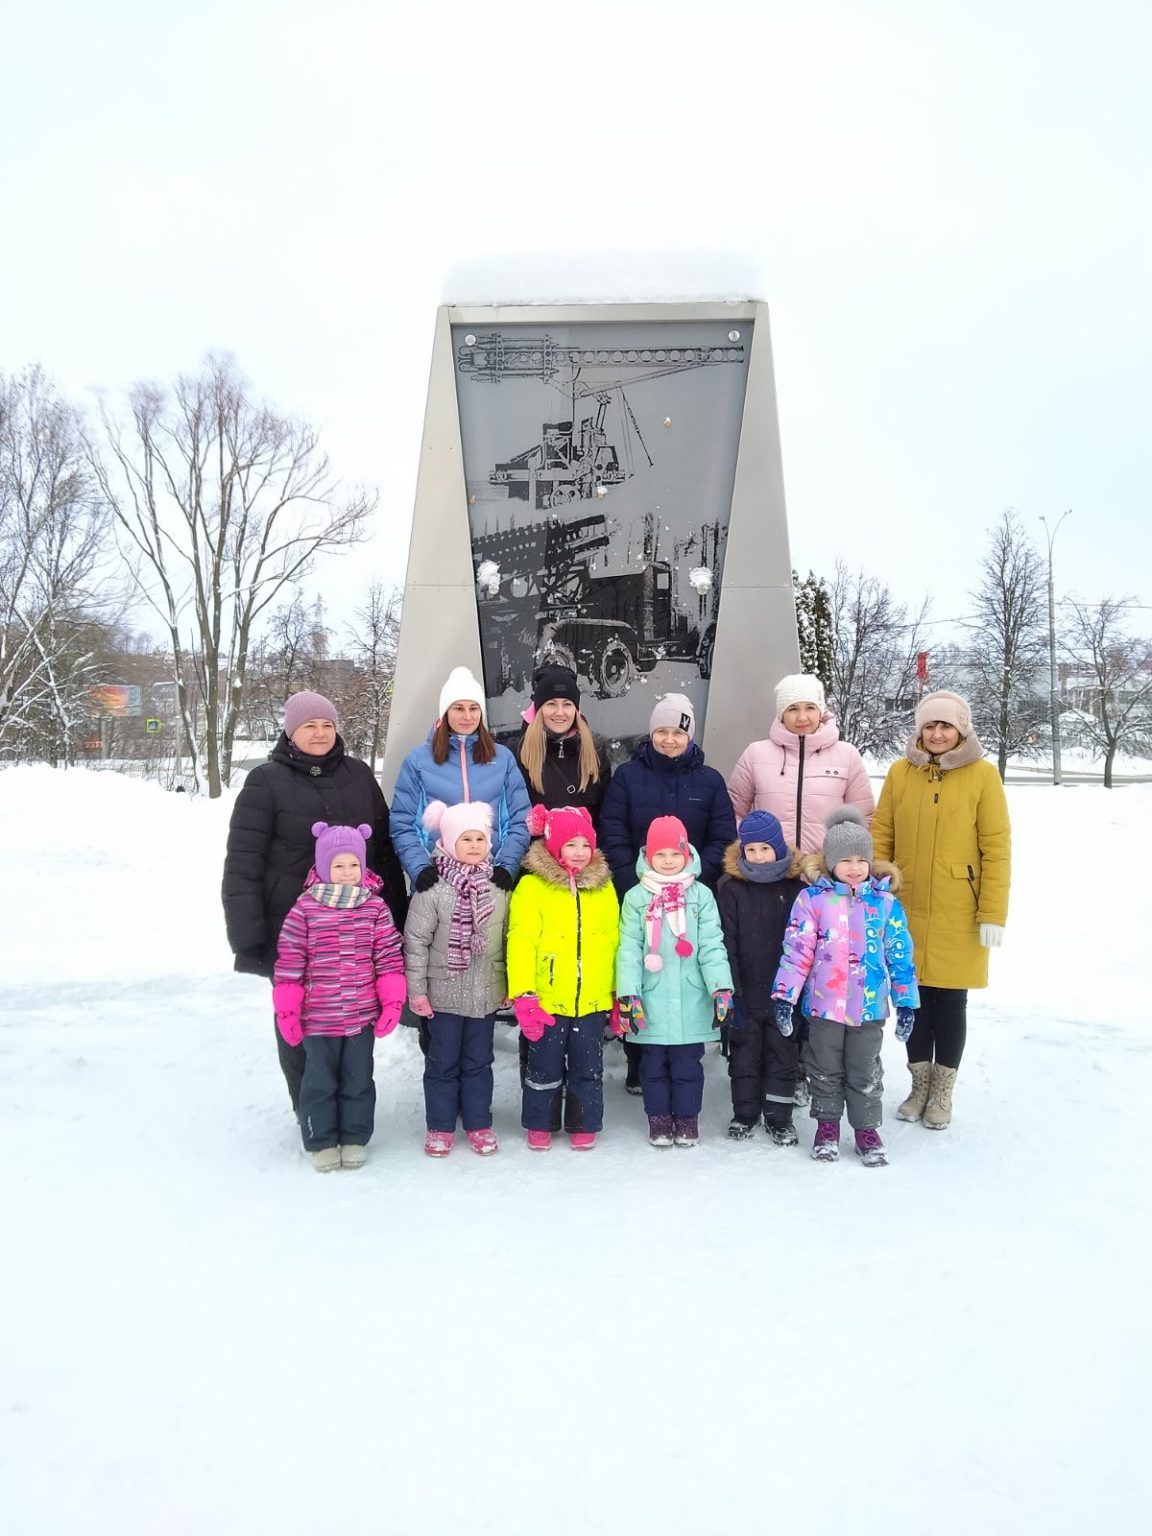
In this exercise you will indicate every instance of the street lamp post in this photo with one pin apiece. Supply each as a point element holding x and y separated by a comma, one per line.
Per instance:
<point>1053,681</point>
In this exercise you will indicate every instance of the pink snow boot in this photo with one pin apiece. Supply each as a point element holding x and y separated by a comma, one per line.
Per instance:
<point>439,1143</point>
<point>539,1141</point>
<point>582,1141</point>
<point>483,1142</point>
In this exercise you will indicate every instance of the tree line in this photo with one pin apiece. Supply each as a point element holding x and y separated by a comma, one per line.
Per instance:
<point>210,506</point>
<point>875,658</point>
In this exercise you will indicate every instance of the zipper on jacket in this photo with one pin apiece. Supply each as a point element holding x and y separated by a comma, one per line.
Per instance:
<point>972,886</point>
<point>799,792</point>
<point>464,769</point>
<point>579,950</point>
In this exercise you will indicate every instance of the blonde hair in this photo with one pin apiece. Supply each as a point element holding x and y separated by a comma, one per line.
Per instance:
<point>534,748</point>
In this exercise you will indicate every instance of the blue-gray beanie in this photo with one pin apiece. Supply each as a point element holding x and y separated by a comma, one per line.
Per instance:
<point>763,827</point>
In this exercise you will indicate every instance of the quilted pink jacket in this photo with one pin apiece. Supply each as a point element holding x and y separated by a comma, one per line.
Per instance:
<point>800,779</point>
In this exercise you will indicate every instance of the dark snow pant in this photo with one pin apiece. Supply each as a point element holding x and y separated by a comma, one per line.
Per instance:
<point>458,1072</point>
<point>941,1026</point>
<point>565,1074</point>
<point>762,1067</point>
<point>843,1062</point>
<point>337,1095</point>
<point>632,1062</point>
<point>292,1065</point>
<point>672,1077</point>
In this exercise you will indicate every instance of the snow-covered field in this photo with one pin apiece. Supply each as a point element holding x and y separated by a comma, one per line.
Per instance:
<point>201,1335</point>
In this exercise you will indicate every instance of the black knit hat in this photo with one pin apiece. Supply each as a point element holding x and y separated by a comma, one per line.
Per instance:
<point>554,682</point>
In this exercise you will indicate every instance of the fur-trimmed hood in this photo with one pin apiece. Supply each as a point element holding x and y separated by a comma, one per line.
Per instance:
<point>732,863</point>
<point>968,751</point>
<point>538,861</point>
<point>813,868</point>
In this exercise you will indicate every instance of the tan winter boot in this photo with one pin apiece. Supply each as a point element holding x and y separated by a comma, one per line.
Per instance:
<point>939,1111</point>
<point>913,1106</point>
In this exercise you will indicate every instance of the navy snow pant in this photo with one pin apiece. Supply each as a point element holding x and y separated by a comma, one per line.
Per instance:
<point>291,1058</point>
<point>458,1072</point>
<point>763,1066</point>
<point>565,1075</point>
<point>843,1062</point>
<point>337,1094</point>
<point>672,1077</point>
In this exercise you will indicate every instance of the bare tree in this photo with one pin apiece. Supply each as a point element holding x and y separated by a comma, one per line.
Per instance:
<point>874,646</point>
<point>1009,640</point>
<point>1110,679</point>
<point>53,534</point>
<point>372,642</point>
<point>224,503</point>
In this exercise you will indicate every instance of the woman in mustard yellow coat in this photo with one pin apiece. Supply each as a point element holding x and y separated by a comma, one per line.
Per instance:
<point>943,818</point>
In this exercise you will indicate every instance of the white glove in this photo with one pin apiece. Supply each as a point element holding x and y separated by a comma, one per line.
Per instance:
<point>991,935</point>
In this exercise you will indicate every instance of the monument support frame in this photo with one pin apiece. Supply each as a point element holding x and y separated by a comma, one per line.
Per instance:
<point>755,638</point>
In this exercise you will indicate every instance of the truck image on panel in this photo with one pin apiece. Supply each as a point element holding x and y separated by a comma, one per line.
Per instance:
<point>540,600</point>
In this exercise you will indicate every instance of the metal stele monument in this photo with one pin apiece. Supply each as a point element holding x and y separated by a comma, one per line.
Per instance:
<point>600,485</point>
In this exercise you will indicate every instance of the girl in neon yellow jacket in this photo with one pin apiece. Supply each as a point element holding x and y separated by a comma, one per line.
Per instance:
<point>563,929</point>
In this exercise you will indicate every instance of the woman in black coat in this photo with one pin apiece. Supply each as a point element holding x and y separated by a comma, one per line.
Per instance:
<point>563,763</point>
<point>665,776</point>
<point>308,777</point>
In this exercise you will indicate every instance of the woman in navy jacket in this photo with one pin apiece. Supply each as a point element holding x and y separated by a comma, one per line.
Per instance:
<point>665,776</point>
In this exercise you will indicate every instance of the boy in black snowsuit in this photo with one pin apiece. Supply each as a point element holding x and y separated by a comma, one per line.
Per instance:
<point>760,883</point>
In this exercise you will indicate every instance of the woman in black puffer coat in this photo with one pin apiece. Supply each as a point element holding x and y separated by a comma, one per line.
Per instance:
<point>563,763</point>
<point>307,778</point>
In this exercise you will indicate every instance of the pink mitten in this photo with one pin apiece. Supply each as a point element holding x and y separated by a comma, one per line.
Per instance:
<point>531,1018</point>
<point>391,991</point>
<point>615,1022</point>
<point>421,1007</point>
<point>288,999</point>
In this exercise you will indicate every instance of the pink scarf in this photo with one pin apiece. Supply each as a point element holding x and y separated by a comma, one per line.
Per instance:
<point>668,893</point>
<point>473,906</point>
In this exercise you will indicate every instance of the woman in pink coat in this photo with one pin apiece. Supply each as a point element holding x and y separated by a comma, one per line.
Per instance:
<point>803,771</point>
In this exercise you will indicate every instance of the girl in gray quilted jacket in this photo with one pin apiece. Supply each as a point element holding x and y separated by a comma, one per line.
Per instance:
<point>454,965</point>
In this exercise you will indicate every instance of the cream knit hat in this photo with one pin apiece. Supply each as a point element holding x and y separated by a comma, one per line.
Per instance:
<point>949,707</point>
<point>799,688</point>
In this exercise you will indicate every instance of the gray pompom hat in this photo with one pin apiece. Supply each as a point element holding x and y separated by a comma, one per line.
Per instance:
<point>846,837</point>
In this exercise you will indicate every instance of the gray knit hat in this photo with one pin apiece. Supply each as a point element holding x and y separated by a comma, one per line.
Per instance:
<point>846,837</point>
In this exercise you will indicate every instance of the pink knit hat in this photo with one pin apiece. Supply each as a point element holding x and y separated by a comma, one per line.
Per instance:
<point>666,832</point>
<point>560,826</point>
<point>450,822</point>
<point>307,706</point>
<point>332,841</point>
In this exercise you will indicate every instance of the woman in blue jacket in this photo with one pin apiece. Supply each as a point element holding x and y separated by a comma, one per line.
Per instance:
<point>665,776</point>
<point>460,761</point>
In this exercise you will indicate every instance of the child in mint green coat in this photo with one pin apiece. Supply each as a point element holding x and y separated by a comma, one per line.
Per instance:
<point>673,981</point>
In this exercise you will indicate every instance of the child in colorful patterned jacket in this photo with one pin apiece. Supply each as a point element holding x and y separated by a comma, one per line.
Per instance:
<point>846,949</point>
<point>339,976</point>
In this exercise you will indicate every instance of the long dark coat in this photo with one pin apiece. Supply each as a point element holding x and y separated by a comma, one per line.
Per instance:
<point>271,847</point>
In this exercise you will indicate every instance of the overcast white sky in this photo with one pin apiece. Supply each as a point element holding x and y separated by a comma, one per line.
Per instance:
<point>946,207</point>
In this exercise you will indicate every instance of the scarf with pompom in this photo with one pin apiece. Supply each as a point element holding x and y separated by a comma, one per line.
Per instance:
<point>667,905</point>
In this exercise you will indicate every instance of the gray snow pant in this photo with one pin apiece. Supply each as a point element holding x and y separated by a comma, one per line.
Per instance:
<point>843,1063</point>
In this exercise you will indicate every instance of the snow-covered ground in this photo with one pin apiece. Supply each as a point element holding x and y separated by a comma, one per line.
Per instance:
<point>199,1334</point>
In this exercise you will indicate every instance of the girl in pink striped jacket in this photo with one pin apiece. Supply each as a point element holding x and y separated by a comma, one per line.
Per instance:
<point>338,982</point>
